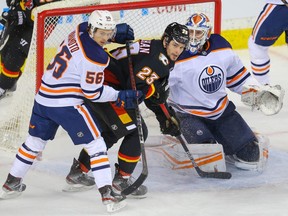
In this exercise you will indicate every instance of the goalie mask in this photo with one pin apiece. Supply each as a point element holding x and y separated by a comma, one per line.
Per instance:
<point>176,32</point>
<point>199,31</point>
<point>100,19</point>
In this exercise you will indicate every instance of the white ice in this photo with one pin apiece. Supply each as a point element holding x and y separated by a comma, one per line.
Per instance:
<point>170,192</point>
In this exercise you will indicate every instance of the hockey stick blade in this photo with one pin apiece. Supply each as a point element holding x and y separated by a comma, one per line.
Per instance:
<point>218,175</point>
<point>139,181</point>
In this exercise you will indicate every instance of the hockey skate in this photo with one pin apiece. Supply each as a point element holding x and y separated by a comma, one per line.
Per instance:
<point>6,93</point>
<point>253,157</point>
<point>121,182</point>
<point>112,200</point>
<point>13,187</point>
<point>78,180</point>
<point>241,164</point>
<point>2,93</point>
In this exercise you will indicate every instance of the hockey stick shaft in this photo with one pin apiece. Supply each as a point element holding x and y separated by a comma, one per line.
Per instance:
<point>285,3</point>
<point>139,181</point>
<point>201,173</point>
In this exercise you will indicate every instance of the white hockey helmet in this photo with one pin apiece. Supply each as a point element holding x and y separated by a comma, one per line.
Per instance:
<point>200,30</point>
<point>101,19</point>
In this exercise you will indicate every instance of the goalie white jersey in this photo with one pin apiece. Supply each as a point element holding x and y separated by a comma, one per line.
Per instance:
<point>198,82</point>
<point>76,72</point>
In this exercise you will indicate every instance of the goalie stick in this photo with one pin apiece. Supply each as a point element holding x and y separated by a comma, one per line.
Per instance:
<point>139,181</point>
<point>201,173</point>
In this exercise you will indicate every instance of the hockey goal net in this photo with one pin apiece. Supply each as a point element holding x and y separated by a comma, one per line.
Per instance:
<point>54,21</point>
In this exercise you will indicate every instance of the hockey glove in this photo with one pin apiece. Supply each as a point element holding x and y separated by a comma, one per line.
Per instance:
<point>10,2</point>
<point>14,17</point>
<point>161,94</point>
<point>169,126</point>
<point>127,99</point>
<point>123,33</point>
<point>267,99</point>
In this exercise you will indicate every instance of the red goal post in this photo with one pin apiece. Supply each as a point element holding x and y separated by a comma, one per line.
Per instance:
<point>54,21</point>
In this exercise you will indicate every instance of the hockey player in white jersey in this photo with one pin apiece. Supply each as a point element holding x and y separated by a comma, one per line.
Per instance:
<point>198,94</point>
<point>75,73</point>
<point>270,24</point>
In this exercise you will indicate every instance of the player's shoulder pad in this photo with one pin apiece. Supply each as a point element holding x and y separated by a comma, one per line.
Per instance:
<point>215,42</point>
<point>160,54</point>
<point>157,46</point>
<point>91,49</point>
<point>218,42</point>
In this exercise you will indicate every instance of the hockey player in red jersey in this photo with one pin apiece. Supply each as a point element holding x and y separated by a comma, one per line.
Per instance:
<point>270,24</point>
<point>75,73</point>
<point>198,85</point>
<point>152,62</point>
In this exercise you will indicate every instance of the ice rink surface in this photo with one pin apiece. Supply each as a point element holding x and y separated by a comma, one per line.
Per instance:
<point>170,192</point>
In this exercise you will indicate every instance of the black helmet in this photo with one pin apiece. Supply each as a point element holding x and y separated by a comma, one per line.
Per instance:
<point>177,32</point>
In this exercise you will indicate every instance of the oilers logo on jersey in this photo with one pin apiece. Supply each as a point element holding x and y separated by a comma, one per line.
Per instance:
<point>211,79</point>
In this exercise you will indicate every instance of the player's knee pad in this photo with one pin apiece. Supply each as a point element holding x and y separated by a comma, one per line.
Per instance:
<point>35,144</point>
<point>96,146</point>
<point>263,143</point>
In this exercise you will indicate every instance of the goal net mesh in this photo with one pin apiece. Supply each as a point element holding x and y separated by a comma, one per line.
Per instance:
<point>54,21</point>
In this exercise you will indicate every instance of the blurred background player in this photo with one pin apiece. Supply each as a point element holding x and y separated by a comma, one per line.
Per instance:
<point>270,24</point>
<point>152,62</point>
<point>75,73</point>
<point>15,43</point>
<point>198,94</point>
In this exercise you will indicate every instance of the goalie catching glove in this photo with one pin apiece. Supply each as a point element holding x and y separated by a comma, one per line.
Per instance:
<point>161,94</point>
<point>267,99</point>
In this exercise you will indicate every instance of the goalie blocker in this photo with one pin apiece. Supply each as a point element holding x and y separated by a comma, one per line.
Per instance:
<point>268,99</point>
<point>210,157</point>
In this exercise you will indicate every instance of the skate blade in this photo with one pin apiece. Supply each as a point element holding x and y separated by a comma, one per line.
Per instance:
<point>113,207</point>
<point>9,195</point>
<point>77,188</point>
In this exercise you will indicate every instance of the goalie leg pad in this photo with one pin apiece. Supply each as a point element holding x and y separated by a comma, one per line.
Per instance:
<point>263,143</point>
<point>210,157</point>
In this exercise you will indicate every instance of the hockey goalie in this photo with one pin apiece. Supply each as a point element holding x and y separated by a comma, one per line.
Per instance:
<point>215,132</point>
